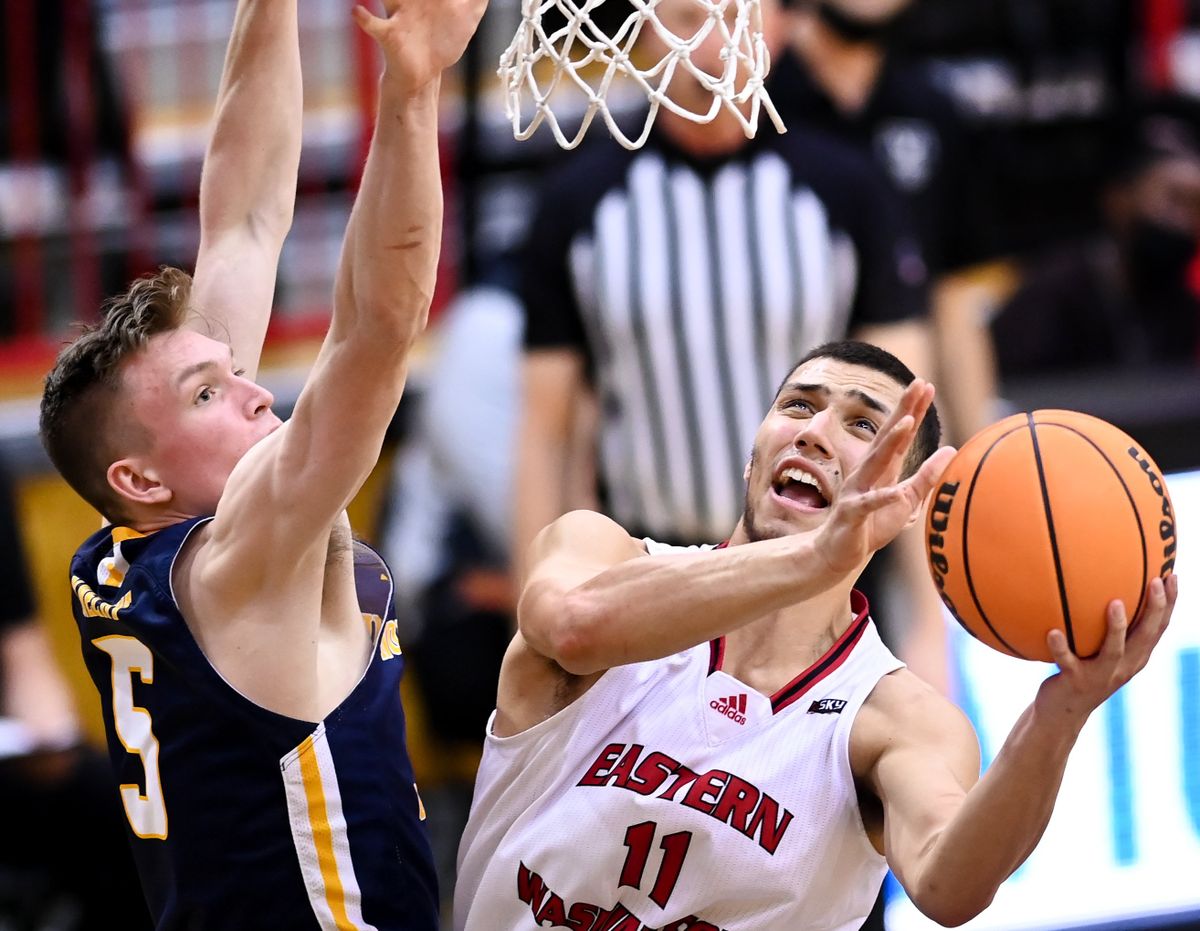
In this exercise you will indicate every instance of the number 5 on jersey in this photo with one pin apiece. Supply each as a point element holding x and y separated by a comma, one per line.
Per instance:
<point>147,813</point>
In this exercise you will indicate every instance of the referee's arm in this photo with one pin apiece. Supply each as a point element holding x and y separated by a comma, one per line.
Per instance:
<point>555,445</point>
<point>892,312</point>
<point>546,465</point>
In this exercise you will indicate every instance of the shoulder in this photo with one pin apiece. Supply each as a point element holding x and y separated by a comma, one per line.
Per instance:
<point>912,90</point>
<point>587,530</point>
<point>839,173</point>
<point>575,547</point>
<point>819,154</point>
<point>904,712</point>
<point>581,178</point>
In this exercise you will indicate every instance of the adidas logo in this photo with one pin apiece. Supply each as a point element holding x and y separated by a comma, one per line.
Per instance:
<point>733,707</point>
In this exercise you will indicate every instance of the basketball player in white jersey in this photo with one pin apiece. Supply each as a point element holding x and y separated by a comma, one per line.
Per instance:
<point>716,738</point>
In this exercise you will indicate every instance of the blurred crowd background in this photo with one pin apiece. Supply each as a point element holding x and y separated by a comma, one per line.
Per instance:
<point>1050,164</point>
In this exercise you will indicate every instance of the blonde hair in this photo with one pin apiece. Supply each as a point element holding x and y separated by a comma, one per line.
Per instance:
<point>78,399</point>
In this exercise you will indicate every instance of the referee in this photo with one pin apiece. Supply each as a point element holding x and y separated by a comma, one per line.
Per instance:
<point>673,285</point>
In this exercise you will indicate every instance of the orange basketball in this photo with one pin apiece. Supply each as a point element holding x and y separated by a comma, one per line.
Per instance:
<point>1039,522</point>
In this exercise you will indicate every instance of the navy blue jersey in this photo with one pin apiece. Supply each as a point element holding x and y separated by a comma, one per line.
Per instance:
<point>241,817</point>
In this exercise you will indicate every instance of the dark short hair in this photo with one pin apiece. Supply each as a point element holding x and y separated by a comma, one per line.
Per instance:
<point>852,352</point>
<point>1149,131</point>
<point>81,391</point>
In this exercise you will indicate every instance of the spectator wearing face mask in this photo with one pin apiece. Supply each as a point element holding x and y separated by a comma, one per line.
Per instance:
<point>844,73</point>
<point>1121,299</point>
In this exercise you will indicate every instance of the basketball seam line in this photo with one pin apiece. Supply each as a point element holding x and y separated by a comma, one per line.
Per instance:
<point>1058,572</point>
<point>1137,514</point>
<point>966,558</point>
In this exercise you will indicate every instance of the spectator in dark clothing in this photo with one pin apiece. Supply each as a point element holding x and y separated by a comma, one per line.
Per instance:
<point>842,75</point>
<point>1122,298</point>
<point>65,852</point>
<point>1036,84</point>
<point>887,106</point>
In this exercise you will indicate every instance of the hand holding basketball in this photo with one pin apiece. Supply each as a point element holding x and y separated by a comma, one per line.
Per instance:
<point>1039,523</point>
<point>873,506</point>
<point>1082,685</point>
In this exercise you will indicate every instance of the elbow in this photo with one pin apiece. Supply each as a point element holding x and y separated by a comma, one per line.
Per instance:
<point>951,908</point>
<point>566,630</point>
<point>950,917</point>
<point>392,315</point>
<point>385,336</point>
<point>272,223</point>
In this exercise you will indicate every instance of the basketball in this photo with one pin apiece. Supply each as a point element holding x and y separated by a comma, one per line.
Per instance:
<point>1039,522</point>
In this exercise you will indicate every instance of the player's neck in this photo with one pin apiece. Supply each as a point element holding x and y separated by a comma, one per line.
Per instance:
<point>151,522</point>
<point>846,71</point>
<point>772,651</point>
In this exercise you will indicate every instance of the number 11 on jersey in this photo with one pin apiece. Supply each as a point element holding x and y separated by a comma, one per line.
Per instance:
<point>638,839</point>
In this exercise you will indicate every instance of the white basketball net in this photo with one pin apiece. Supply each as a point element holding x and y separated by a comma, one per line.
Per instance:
<point>579,56</point>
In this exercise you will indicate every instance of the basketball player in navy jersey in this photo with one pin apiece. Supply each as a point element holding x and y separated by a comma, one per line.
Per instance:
<point>709,738</point>
<point>242,644</point>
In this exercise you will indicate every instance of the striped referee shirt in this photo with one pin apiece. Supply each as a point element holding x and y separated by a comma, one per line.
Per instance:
<point>691,286</point>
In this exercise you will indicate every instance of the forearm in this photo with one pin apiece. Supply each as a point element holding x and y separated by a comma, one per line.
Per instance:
<point>389,258</point>
<point>650,607</point>
<point>538,494</point>
<point>967,364</point>
<point>35,692</point>
<point>548,447</point>
<point>254,153</point>
<point>1000,822</point>
<point>248,185</point>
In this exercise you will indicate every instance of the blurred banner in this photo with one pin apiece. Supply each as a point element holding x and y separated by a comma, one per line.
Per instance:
<point>1123,847</point>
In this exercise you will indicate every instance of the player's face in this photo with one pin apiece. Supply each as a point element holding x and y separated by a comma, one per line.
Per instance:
<point>201,415</point>
<point>818,429</point>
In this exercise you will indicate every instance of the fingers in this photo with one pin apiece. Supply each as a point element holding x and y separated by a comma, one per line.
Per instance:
<point>1060,652</point>
<point>1156,615</point>
<point>926,477</point>
<point>922,398</point>
<point>914,401</point>
<point>1125,644</point>
<point>886,453</point>
<point>857,507</point>
<point>366,20</point>
<point>1113,646</point>
<point>883,460</point>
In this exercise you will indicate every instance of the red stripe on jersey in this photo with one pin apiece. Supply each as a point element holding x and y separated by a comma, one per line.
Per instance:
<point>833,658</point>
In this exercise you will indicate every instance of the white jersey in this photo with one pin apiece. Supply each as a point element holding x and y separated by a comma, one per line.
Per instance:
<point>673,796</point>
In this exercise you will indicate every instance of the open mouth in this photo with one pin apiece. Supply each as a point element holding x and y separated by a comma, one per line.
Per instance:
<point>801,487</point>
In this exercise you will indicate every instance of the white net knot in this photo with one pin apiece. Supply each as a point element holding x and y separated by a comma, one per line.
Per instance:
<point>578,59</point>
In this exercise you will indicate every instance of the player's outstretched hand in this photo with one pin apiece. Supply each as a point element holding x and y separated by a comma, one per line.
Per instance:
<point>873,505</point>
<point>1082,685</point>
<point>421,38</point>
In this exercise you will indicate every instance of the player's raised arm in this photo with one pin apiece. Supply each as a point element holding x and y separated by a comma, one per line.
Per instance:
<point>291,486</point>
<point>248,184</point>
<point>952,841</point>
<point>588,605</point>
